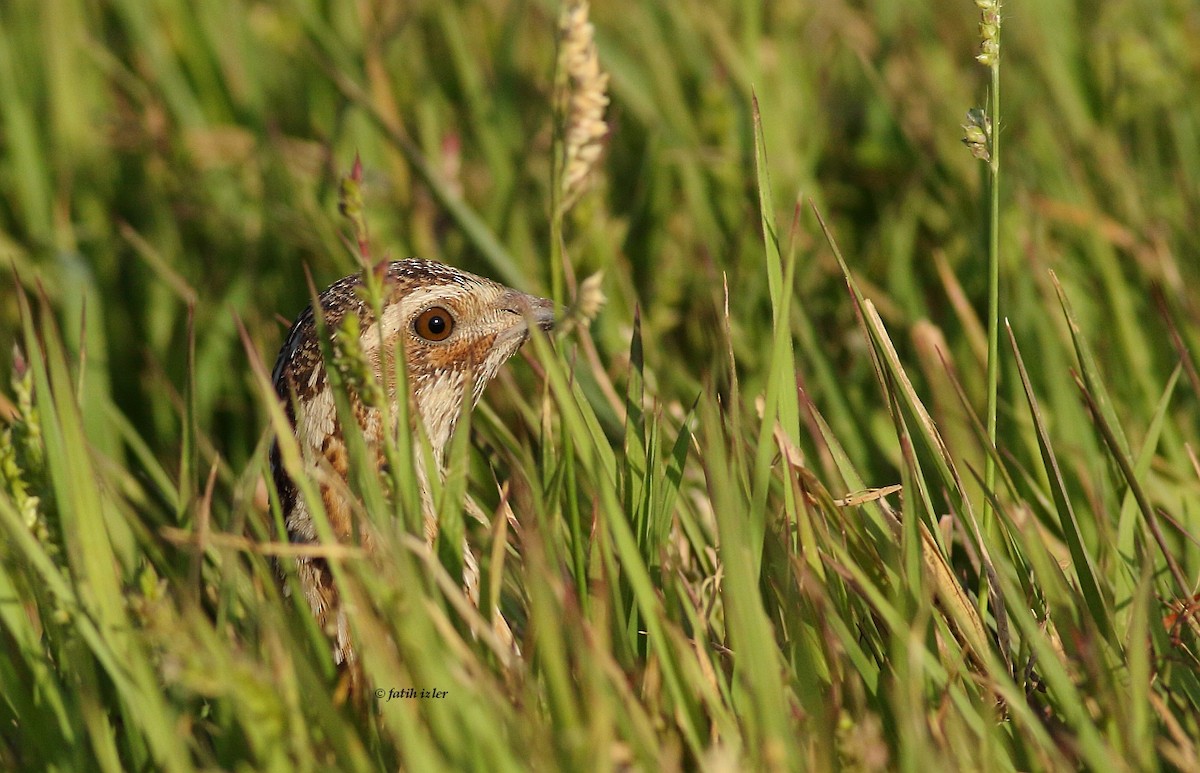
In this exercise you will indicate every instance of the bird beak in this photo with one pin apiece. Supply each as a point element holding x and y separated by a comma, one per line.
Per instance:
<point>542,313</point>
<point>536,311</point>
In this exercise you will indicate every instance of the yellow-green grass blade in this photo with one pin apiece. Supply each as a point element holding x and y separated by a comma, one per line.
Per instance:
<point>780,401</point>
<point>87,522</point>
<point>1094,594</point>
<point>758,696</point>
<point>1128,577</point>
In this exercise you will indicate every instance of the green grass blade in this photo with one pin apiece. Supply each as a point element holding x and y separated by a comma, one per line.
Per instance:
<point>1082,562</point>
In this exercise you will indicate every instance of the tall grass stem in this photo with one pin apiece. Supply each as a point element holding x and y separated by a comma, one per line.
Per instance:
<point>993,360</point>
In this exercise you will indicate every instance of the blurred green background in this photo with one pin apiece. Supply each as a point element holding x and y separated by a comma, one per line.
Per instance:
<point>158,154</point>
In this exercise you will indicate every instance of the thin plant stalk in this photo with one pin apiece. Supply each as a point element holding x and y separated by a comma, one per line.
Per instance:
<point>993,361</point>
<point>990,57</point>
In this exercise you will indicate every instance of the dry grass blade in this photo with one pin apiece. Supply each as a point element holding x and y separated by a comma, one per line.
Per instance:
<point>1139,493</point>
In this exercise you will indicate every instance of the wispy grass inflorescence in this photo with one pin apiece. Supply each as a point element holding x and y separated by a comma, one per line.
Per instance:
<point>586,99</point>
<point>588,302</point>
<point>350,204</point>
<point>352,365</point>
<point>22,462</point>
<point>348,356</point>
<point>581,97</point>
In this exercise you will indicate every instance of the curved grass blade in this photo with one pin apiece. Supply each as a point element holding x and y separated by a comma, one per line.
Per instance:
<point>1085,567</point>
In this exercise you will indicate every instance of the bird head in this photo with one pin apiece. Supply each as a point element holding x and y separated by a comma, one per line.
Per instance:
<point>456,330</point>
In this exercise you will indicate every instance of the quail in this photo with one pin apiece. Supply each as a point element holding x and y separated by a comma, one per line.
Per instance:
<point>456,330</point>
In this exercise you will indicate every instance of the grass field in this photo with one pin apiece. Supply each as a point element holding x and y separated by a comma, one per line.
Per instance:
<point>711,565</point>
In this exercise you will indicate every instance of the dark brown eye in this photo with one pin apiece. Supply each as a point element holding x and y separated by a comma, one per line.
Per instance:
<point>434,324</point>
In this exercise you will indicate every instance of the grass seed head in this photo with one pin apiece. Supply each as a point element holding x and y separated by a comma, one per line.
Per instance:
<point>989,32</point>
<point>977,134</point>
<point>586,99</point>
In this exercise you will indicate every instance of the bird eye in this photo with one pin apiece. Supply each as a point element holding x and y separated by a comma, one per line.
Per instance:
<point>434,324</point>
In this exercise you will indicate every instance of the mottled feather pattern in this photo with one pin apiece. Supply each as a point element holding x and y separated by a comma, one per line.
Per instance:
<point>489,322</point>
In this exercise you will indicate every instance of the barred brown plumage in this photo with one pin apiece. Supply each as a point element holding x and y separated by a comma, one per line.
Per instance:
<point>454,326</point>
